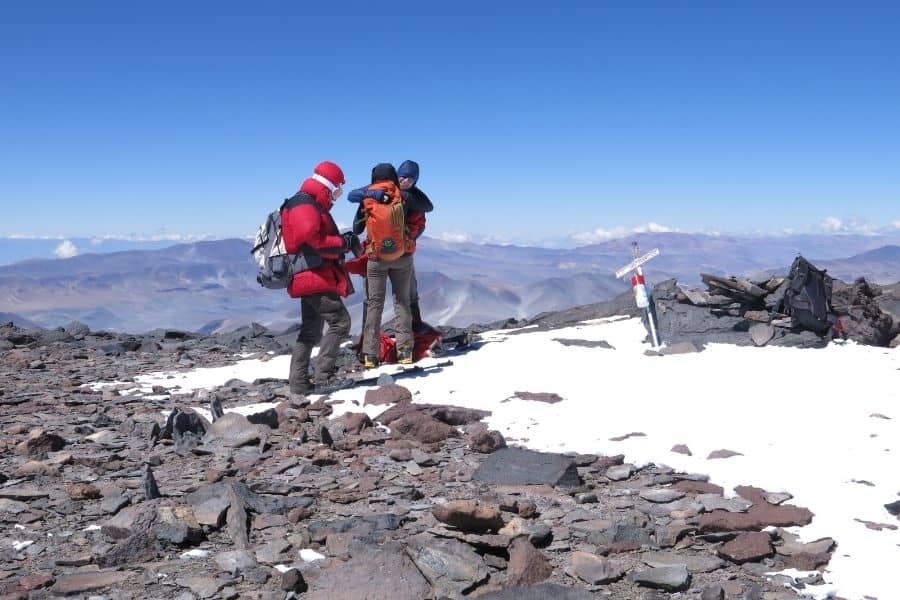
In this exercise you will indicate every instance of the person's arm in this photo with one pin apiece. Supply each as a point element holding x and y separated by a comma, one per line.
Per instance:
<point>418,200</point>
<point>359,194</point>
<point>415,223</point>
<point>302,225</point>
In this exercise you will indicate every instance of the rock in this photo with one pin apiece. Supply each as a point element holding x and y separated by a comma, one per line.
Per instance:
<point>546,397</point>
<point>758,517</point>
<point>388,394</point>
<point>541,591</point>
<point>713,592</point>
<point>469,516</point>
<point>674,578</point>
<point>695,563</point>
<point>761,333</point>
<point>723,453</point>
<point>24,492</point>
<point>681,449</point>
<point>292,581</point>
<point>487,442</point>
<point>40,443</point>
<point>33,468</point>
<point>661,495</point>
<point>619,472</point>
<point>232,431</point>
<point>452,567</point>
<point>746,547</point>
<point>85,582</point>
<point>148,481</point>
<point>791,545</point>
<point>423,428</point>
<point>527,565</point>
<point>713,502</point>
<point>83,491</point>
<point>595,569</point>
<point>268,417</point>
<point>893,508</point>
<point>177,525</point>
<point>235,561</point>
<point>354,423</point>
<point>518,466</point>
<point>357,577</point>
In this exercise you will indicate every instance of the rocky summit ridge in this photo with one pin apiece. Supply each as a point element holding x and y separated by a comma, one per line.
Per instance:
<point>120,493</point>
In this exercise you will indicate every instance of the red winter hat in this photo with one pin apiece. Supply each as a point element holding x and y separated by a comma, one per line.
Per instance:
<point>331,172</point>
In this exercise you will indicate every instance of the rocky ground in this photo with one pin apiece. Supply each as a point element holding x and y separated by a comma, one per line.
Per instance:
<point>101,496</point>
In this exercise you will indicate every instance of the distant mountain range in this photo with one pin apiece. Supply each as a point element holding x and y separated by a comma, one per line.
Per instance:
<point>211,286</point>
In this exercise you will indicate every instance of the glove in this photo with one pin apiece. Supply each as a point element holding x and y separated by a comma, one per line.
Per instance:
<point>351,243</point>
<point>376,195</point>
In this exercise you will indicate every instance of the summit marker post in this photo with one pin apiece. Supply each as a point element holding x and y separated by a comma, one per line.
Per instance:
<point>641,297</point>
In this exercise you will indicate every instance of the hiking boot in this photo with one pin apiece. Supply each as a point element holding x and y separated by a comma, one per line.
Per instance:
<point>369,361</point>
<point>404,357</point>
<point>332,384</point>
<point>301,387</point>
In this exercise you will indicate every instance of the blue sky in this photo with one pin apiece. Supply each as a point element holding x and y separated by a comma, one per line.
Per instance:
<point>532,123</point>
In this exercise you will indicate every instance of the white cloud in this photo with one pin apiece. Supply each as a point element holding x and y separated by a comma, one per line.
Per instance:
<point>66,249</point>
<point>832,224</point>
<point>453,236</point>
<point>896,224</point>
<point>604,235</point>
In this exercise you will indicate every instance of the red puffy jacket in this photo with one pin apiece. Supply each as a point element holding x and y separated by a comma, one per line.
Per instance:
<point>313,226</point>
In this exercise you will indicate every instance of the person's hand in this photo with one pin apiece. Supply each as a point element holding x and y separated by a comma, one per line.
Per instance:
<point>351,243</point>
<point>376,195</point>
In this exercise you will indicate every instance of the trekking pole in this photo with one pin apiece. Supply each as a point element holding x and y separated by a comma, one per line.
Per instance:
<point>638,285</point>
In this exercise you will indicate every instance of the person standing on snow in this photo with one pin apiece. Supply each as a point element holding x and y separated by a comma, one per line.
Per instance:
<point>384,190</point>
<point>417,204</point>
<point>308,229</point>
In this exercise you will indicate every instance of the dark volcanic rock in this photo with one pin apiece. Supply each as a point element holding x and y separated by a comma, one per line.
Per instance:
<point>518,466</point>
<point>749,546</point>
<point>486,442</point>
<point>451,566</point>
<point>541,591</point>
<point>355,579</point>
<point>469,516</point>
<point>86,582</point>
<point>671,579</point>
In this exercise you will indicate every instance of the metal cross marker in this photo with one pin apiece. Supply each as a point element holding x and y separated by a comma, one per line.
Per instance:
<point>641,297</point>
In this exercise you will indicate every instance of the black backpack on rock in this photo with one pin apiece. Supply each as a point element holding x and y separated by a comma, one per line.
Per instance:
<point>807,299</point>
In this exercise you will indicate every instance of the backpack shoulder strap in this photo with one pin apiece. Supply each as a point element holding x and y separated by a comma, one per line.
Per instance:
<point>298,199</point>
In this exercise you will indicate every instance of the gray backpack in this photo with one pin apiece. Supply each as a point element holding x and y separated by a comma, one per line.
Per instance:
<point>276,266</point>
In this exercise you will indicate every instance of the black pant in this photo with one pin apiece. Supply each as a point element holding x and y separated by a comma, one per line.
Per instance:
<point>316,310</point>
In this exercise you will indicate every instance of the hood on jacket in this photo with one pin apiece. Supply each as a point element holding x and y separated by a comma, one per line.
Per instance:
<point>385,172</point>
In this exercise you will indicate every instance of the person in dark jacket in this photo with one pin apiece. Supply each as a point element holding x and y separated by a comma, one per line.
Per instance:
<point>417,204</point>
<point>308,229</point>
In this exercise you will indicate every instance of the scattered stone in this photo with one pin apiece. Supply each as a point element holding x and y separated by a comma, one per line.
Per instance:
<point>518,466</point>
<point>723,453</point>
<point>469,516</point>
<point>746,547</point>
<point>78,583</point>
<point>451,566</point>
<point>388,394</point>
<point>674,578</point>
<point>83,491</point>
<point>527,565</point>
<point>661,495</point>
<point>596,570</point>
<point>681,449</point>
<point>761,333</point>
<point>546,397</point>
<point>487,442</point>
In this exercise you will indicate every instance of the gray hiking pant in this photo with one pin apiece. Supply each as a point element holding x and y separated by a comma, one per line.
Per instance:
<point>316,310</point>
<point>377,274</point>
